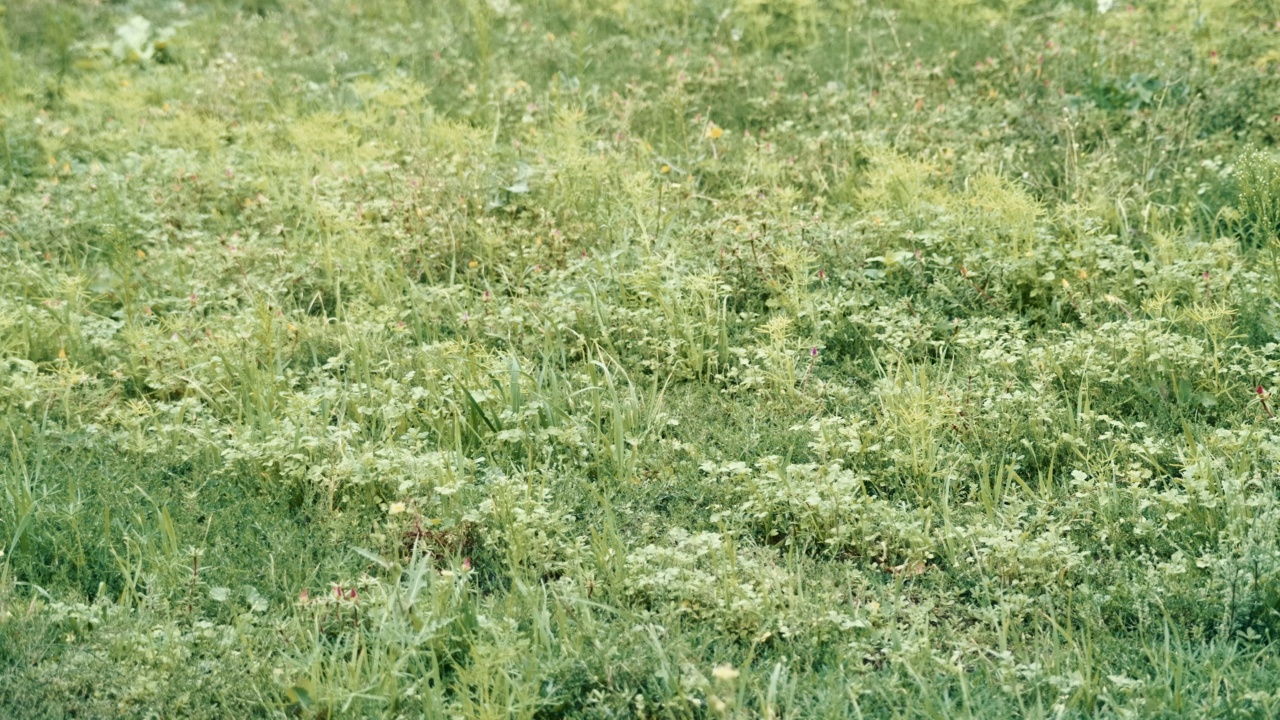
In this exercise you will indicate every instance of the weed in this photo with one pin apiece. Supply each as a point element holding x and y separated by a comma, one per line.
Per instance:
<point>668,359</point>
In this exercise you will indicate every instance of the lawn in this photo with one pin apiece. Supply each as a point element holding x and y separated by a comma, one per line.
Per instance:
<point>639,359</point>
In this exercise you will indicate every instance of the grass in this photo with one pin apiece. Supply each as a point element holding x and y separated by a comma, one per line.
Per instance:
<point>671,359</point>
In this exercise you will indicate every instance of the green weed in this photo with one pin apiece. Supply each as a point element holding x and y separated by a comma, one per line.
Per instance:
<point>661,359</point>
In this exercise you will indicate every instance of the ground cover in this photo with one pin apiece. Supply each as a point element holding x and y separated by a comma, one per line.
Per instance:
<point>676,358</point>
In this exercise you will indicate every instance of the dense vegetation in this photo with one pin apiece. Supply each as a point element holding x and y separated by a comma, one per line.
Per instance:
<point>639,358</point>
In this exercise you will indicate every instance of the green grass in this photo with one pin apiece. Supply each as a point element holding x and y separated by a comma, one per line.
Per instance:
<point>663,359</point>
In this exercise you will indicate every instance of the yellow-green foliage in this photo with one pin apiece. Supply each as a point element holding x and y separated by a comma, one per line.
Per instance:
<point>681,359</point>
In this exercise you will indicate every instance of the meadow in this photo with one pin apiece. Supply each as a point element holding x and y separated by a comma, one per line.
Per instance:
<point>639,359</point>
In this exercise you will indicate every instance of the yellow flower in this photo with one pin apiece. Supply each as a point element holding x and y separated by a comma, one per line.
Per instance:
<point>715,132</point>
<point>724,673</point>
<point>664,169</point>
<point>396,508</point>
<point>473,264</point>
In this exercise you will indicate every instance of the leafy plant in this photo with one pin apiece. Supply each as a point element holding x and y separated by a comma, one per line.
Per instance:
<point>137,41</point>
<point>657,359</point>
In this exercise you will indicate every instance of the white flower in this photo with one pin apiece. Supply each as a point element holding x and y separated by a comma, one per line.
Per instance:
<point>1104,6</point>
<point>724,673</point>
